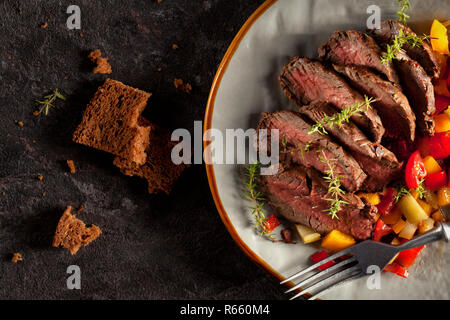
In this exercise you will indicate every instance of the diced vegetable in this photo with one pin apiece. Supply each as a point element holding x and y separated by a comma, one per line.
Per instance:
<point>447,111</point>
<point>439,38</point>
<point>337,241</point>
<point>307,235</point>
<point>411,209</point>
<point>408,231</point>
<point>272,223</point>
<point>387,201</point>
<point>322,255</point>
<point>442,123</point>
<point>443,196</point>
<point>438,146</point>
<point>426,225</point>
<point>431,165</point>
<point>397,269</point>
<point>381,230</point>
<point>438,216</point>
<point>415,170</point>
<point>373,198</point>
<point>398,227</point>
<point>431,198</point>
<point>415,194</point>
<point>425,206</point>
<point>408,257</point>
<point>436,180</point>
<point>392,217</point>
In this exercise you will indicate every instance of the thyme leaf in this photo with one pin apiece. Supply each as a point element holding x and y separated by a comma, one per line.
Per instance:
<point>404,6</point>
<point>48,102</point>
<point>400,40</point>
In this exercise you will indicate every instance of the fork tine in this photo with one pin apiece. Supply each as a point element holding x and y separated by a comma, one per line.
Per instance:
<point>311,268</point>
<point>328,281</point>
<point>356,276</point>
<point>322,273</point>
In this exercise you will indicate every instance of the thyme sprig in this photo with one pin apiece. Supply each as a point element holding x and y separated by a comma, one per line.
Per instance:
<point>334,186</point>
<point>400,40</point>
<point>338,119</point>
<point>257,198</point>
<point>48,101</point>
<point>403,191</point>
<point>402,15</point>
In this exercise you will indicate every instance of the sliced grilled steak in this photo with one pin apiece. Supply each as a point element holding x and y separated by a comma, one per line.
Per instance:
<point>300,196</point>
<point>354,47</point>
<point>380,164</point>
<point>294,137</point>
<point>392,105</point>
<point>418,87</point>
<point>424,54</point>
<point>305,81</point>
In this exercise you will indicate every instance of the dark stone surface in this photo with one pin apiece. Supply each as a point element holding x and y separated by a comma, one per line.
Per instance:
<point>152,247</point>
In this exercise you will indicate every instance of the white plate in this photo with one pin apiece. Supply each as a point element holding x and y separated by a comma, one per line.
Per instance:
<point>246,85</point>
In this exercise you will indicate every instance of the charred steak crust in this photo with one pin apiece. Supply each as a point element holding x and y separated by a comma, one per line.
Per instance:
<point>424,54</point>
<point>294,136</point>
<point>392,105</point>
<point>356,48</point>
<point>304,81</point>
<point>300,196</point>
<point>380,165</point>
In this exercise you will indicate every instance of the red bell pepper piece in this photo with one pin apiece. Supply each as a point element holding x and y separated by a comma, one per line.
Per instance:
<point>407,258</point>
<point>387,202</point>
<point>445,142</point>
<point>439,145</point>
<point>397,269</point>
<point>271,223</point>
<point>436,180</point>
<point>322,255</point>
<point>442,103</point>
<point>381,230</point>
<point>415,170</point>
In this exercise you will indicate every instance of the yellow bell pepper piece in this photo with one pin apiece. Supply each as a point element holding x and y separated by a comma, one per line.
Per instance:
<point>398,227</point>
<point>447,112</point>
<point>337,241</point>
<point>439,38</point>
<point>431,165</point>
<point>443,196</point>
<point>425,206</point>
<point>442,123</point>
<point>373,198</point>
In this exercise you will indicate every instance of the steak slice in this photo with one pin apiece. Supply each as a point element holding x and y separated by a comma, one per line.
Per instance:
<point>294,137</point>
<point>354,47</point>
<point>418,87</point>
<point>423,54</point>
<point>380,164</point>
<point>304,81</point>
<point>392,105</point>
<point>300,195</point>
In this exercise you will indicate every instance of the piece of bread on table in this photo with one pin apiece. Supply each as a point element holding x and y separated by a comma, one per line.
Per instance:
<point>110,122</point>
<point>159,170</point>
<point>72,233</point>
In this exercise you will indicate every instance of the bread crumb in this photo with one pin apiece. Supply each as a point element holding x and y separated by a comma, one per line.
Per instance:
<point>179,84</point>
<point>3,193</point>
<point>175,46</point>
<point>71,166</point>
<point>81,208</point>
<point>44,194</point>
<point>40,177</point>
<point>36,113</point>
<point>159,69</point>
<point>81,34</point>
<point>103,66</point>
<point>44,25</point>
<point>71,233</point>
<point>16,257</point>
<point>20,123</point>
<point>159,1</point>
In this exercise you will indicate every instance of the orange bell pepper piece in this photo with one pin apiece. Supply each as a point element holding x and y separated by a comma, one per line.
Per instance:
<point>439,38</point>
<point>442,122</point>
<point>431,165</point>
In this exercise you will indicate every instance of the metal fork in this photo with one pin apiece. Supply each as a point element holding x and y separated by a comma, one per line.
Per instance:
<point>358,261</point>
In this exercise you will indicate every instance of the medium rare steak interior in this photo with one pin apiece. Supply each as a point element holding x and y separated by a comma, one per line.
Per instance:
<point>350,69</point>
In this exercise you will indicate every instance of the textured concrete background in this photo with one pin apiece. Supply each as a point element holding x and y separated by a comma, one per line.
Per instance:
<point>152,247</point>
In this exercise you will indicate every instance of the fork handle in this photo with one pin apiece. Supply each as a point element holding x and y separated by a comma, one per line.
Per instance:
<point>442,232</point>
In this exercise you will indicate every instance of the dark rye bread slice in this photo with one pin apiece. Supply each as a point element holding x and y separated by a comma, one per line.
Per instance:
<point>300,195</point>
<point>110,122</point>
<point>294,135</point>
<point>380,164</point>
<point>159,169</point>
<point>423,54</point>
<point>392,105</point>
<point>72,233</point>
<point>304,81</point>
<point>356,48</point>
